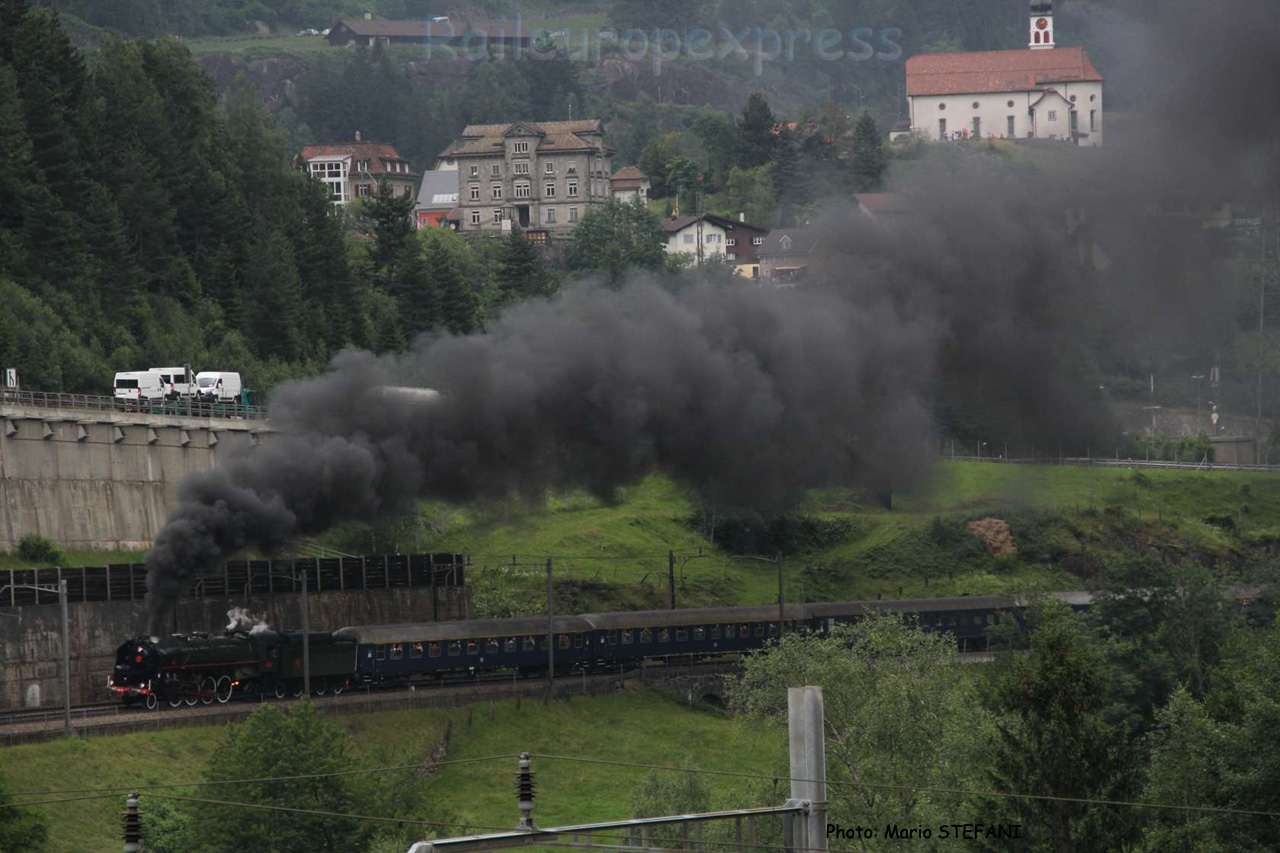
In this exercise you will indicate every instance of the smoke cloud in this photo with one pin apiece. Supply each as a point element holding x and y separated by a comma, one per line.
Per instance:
<point>240,619</point>
<point>977,313</point>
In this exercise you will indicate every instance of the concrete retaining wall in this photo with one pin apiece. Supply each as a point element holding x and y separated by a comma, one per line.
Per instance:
<point>102,480</point>
<point>31,636</point>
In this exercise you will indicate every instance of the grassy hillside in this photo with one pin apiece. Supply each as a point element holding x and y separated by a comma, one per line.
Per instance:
<point>636,725</point>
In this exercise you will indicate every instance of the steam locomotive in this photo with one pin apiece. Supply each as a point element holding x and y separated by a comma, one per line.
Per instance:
<point>201,668</point>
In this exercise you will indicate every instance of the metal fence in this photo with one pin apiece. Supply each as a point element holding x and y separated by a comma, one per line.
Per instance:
<point>94,403</point>
<point>128,582</point>
<point>1103,462</point>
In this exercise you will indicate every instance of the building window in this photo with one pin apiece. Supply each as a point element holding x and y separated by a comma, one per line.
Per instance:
<point>551,189</point>
<point>573,214</point>
<point>732,241</point>
<point>757,241</point>
<point>496,191</point>
<point>688,239</point>
<point>495,169</point>
<point>475,217</point>
<point>408,191</point>
<point>942,128</point>
<point>521,167</point>
<point>497,216</point>
<point>520,148</point>
<point>977,126</point>
<point>551,216</point>
<point>573,189</point>
<point>475,192</point>
<point>522,190</point>
<point>1093,120</point>
<point>551,167</point>
<point>475,171</point>
<point>942,107</point>
<point>713,239</point>
<point>1053,115</point>
<point>362,190</point>
<point>1009,131</point>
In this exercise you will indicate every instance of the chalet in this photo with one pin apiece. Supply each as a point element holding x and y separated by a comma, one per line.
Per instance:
<point>1043,92</point>
<point>349,32</point>
<point>353,170</point>
<point>708,235</point>
<point>787,253</point>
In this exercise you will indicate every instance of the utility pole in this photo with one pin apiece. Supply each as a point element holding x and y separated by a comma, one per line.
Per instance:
<point>66,654</point>
<point>306,632</point>
<point>781,606</point>
<point>551,633</point>
<point>806,735</point>
<point>1262,321</point>
<point>671,580</point>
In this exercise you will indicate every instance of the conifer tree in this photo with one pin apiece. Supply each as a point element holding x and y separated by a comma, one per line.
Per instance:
<point>758,138</point>
<point>521,274</point>
<point>416,292</point>
<point>458,303</point>
<point>869,161</point>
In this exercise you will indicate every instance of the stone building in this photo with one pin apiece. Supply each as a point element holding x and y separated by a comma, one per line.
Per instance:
<point>540,176</point>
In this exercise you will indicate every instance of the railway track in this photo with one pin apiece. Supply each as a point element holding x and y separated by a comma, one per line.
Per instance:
<point>113,718</point>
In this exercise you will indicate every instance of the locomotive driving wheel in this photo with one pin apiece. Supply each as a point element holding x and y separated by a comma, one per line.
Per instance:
<point>222,690</point>
<point>152,702</point>
<point>207,689</point>
<point>280,690</point>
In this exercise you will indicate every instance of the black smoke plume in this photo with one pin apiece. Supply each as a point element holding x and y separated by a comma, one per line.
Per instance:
<point>978,313</point>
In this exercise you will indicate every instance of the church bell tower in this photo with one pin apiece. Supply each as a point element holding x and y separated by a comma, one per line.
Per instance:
<point>1041,25</point>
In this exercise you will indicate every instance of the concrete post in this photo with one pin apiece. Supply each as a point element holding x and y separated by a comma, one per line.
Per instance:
<point>66,654</point>
<point>551,632</point>
<point>808,765</point>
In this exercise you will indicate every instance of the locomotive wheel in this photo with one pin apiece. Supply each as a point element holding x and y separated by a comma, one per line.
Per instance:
<point>152,702</point>
<point>280,690</point>
<point>297,691</point>
<point>321,690</point>
<point>207,688</point>
<point>222,691</point>
<point>189,696</point>
<point>339,687</point>
<point>175,701</point>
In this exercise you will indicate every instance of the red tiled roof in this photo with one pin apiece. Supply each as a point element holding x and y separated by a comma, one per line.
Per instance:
<point>630,173</point>
<point>997,71</point>
<point>374,152</point>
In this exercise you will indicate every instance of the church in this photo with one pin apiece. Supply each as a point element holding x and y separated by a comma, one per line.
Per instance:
<point>1043,92</point>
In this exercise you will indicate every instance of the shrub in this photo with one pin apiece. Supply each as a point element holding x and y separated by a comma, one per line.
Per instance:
<point>37,549</point>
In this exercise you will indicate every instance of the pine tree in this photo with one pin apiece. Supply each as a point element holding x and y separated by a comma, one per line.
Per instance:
<point>416,292</point>
<point>392,230</point>
<point>273,297</point>
<point>458,304</point>
<point>793,192</point>
<point>521,274</point>
<point>758,137</point>
<point>869,161</point>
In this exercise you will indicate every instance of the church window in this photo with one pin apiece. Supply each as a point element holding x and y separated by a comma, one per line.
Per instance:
<point>1009,104</point>
<point>1037,38</point>
<point>942,106</point>
<point>1093,120</point>
<point>1053,115</point>
<point>1009,131</point>
<point>977,126</point>
<point>1073,99</point>
<point>942,128</point>
<point>976,105</point>
<point>1093,98</point>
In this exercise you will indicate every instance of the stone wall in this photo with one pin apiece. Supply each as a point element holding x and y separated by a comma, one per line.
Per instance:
<point>31,636</point>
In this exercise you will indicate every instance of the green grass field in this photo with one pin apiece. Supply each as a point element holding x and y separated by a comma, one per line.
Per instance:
<point>638,725</point>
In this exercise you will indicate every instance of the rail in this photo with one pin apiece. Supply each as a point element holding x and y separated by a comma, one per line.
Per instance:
<point>1104,462</point>
<point>95,403</point>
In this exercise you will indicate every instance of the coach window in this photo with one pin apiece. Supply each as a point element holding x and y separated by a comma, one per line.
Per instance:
<point>699,634</point>
<point>382,652</point>
<point>759,629</point>
<point>715,632</point>
<point>773,629</point>
<point>664,635</point>
<point>509,646</point>
<point>434,650</point>
<point>455,649</point>
<point>577,641</point>
<point>491,647</point>
<point>626,637</point>
<point>473,648</point>
<point>529,644</point>
<point>613,638</point>
<point>563,642</point>
<point>544,642</point>
<point>415,650</point>
<point>728,632</point>
<point>646,636</point>
<point>682,635</point>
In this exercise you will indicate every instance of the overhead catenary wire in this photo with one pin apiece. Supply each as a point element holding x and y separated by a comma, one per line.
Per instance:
<point>917,788</point>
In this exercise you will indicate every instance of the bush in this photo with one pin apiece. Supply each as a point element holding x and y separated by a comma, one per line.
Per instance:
<point>37,549</point>
<point>787,533</point>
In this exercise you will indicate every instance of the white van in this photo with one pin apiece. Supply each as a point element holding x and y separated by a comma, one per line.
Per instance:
<point>215,387</point>
<point>140,387</point>
<point>179,382</point>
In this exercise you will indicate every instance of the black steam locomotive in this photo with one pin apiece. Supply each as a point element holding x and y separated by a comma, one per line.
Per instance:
<point>199,668</point>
